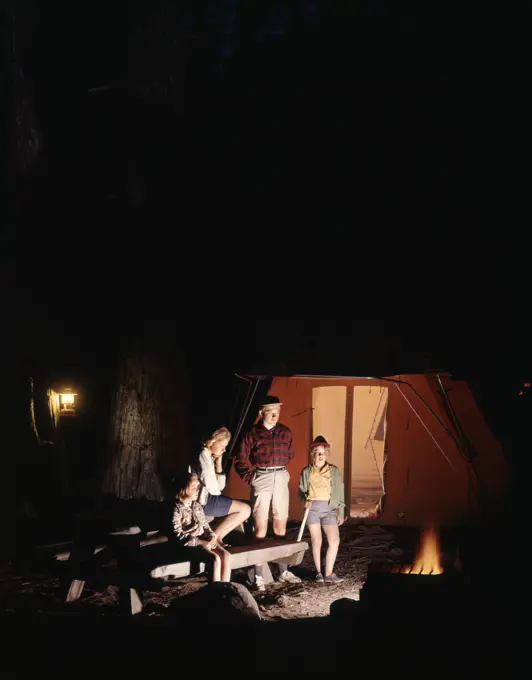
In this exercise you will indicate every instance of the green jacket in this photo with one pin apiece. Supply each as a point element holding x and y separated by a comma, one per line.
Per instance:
<point>337,488</point>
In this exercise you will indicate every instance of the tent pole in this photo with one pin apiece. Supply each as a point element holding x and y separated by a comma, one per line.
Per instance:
<point>348,448</point>
<point>404,382</point>
<point>243,415</point>
<point>454,418</point>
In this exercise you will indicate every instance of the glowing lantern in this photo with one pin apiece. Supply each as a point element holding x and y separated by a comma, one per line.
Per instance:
<point>68,403</point>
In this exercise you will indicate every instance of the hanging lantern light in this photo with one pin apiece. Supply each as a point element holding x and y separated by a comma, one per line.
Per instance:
<point>67,399</point>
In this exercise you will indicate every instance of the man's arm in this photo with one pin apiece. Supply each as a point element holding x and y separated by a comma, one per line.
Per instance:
<point>291,452</point>
<point>243,465</point>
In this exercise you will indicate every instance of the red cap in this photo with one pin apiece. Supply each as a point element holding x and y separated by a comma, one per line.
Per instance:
<point>320,441</point>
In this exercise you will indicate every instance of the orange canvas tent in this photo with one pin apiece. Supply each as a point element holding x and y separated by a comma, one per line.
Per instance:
<point>414,449</point>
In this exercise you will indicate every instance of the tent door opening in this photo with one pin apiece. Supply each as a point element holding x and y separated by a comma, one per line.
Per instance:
<point>353,420</point>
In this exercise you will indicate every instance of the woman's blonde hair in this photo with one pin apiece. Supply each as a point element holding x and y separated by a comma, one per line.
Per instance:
<point>218,435</point>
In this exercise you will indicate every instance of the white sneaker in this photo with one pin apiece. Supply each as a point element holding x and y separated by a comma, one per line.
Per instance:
<point>259,584</point>
<point>288,577</point>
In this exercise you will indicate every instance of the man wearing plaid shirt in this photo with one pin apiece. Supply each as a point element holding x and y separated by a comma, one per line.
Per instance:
<point>261,461</point>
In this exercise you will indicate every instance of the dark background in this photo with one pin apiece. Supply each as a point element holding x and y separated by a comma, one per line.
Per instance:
<point>229,114</point>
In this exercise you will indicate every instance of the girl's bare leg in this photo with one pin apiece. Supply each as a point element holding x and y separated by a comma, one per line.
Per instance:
<point>239,512</point>
<point>333,541</point>
<point>225,564</point>
<point>316,540</point>
<point>216,566</point>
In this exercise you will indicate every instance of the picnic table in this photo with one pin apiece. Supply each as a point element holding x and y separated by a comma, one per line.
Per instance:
<point>136,560</point>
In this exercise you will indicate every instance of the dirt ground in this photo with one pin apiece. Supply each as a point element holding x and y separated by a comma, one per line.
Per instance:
<point>309,599</point>
<point>41,592</point>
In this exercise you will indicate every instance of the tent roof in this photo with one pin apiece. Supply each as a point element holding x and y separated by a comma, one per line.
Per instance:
<point>342,377</point>
<point>356,363</point>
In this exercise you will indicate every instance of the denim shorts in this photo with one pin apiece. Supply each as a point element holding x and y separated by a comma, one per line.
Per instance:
<point>321,513</point>
<point>217,506</point>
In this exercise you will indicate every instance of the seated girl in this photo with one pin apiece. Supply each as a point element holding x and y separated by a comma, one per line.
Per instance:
<point>212,481</point>
<point>194,533</point>
<point>321,488</point>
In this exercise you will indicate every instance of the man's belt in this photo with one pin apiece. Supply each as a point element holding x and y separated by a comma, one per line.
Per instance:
<point>270,469</point>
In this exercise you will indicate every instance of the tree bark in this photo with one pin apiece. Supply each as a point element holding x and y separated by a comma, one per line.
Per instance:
<point>148,422</point>
<point>135,432</point>
<point>24,133</point>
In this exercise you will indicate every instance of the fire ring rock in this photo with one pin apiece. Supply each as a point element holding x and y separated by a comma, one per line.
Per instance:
<point>344,608</point>
<point>219,603</point>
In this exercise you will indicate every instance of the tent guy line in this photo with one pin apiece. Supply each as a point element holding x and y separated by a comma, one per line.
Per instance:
<point>426,428</point>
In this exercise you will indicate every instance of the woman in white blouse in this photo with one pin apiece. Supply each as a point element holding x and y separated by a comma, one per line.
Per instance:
<point>213,482</point>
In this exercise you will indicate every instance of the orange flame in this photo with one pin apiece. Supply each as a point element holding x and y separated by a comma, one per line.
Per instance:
<point>428,557</point>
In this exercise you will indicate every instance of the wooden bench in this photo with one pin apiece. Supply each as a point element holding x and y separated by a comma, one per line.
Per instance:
<point>135,562</point>
<point>277,551</point>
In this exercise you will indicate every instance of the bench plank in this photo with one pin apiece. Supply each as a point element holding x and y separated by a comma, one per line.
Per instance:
<point>249,555</point>
<point>176,570</point>
<point>244,556</point>
<point>135,601</point>
<point>291,560</point>
<point>75,590</point>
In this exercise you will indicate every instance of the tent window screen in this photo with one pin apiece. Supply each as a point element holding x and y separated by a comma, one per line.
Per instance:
<point>360,438</point>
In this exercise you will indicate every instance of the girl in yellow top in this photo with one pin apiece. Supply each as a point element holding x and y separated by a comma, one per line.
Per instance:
<point>321,488</point>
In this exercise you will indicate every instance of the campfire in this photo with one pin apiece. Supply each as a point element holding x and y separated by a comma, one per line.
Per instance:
<point>421,585</point>
<point>428,560</point>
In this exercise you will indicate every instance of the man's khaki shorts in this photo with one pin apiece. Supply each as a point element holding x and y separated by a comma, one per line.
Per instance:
<point>270,488</point>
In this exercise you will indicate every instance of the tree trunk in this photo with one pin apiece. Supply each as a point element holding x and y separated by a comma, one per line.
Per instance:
<point>148,422</point>
<point>135,432</point>
<point>24,133</point>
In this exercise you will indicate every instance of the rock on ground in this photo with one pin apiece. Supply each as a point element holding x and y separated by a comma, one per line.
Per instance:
<point>224,603</point>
